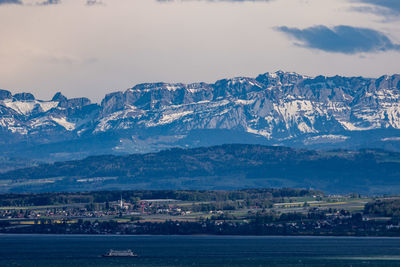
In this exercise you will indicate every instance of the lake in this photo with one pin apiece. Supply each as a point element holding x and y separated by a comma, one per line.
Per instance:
<point>86,250</point>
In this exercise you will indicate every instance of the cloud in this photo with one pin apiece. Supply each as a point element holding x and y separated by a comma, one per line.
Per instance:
<point>389,10</point>
<point>93,2</point>
<point>18,2</point>
<point>165,1</point>
<point>341,39</point>
<point>67,60</point>
<point>383,7</point>
<point>49,2</point>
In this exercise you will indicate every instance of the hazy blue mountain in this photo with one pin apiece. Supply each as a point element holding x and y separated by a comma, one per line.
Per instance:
<point>273,109</point>
<point>218,167</point>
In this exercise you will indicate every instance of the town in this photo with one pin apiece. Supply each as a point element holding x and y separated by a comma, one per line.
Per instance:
<point>240,212</point>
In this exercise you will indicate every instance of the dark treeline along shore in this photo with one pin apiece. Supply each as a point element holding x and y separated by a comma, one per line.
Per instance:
<point>168,212</point>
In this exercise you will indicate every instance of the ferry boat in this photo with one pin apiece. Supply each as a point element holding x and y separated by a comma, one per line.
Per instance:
<point>120,253</point>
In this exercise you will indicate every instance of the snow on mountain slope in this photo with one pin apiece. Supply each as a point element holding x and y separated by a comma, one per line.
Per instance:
<point>277,107</point>
<point>26,107</point>
<point>22,114</point>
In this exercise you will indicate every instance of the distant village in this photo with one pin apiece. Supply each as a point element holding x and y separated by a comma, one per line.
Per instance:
<point>253,212</point>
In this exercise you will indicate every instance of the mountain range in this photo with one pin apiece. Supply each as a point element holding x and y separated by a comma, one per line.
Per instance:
<point>280,108</point>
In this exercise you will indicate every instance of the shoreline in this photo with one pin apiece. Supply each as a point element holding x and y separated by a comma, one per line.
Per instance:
<point>207,235</point>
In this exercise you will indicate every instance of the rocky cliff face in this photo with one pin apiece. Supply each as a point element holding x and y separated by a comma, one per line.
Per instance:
<point>273,108</point>
<point>276,106</point>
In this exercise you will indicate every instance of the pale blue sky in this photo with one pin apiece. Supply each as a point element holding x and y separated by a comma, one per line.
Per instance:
<point>90,48</point>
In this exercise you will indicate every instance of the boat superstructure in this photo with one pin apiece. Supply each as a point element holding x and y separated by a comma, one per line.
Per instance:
<point>120,253</point>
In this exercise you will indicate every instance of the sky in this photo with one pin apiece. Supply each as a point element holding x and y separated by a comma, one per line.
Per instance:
<point>88,48</point>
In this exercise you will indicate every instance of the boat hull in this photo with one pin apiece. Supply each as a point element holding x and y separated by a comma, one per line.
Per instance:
<point>122,256</point>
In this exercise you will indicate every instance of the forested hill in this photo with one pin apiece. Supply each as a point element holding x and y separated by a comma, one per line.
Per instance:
<point>219,167</point>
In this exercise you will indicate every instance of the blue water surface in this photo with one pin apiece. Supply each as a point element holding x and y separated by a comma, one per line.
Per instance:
<point>86,250</point>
